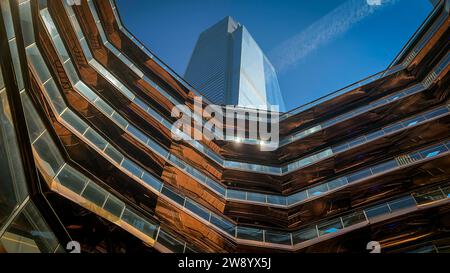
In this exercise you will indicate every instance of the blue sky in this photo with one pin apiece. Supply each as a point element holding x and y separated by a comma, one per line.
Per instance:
<point>316,46</point>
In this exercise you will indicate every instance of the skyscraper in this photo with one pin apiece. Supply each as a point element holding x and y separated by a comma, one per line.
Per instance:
<point>229,68</point>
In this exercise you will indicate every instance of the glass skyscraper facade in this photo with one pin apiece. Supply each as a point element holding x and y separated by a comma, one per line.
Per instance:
<point>87,155</point>
<point>229,68</point>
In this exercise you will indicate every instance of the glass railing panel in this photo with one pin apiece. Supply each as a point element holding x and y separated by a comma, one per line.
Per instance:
<point>414,89</point>
<point>115,155</point>
<point>177,162</point>
<point>443,64</point>
<point>251,234</point>
<point>138,134</point>
<point>231,164</point>
<point>152,181</point>
<point>429,197</point>
<point>446,191</point>
<point>402,203</point>
<point>137,71</point>
<point>38,63</point>
<point>324,154</point>
<point>395,97</point>
<point>59,45</point>
<point>340,148</point>
<point>213,185</point>
<point>233,194</point>
<point>413,121</point>
<point>119,119</point>
<point>278,237</point>
<point>71,179</point>
<point>85,90</point>
<point>273,170</point>
<point>7,20</point>
<point>213,155</point>
<point>139,223</point>
<point>384,167</point>
<point>85,48</point>
<point>434,151</point>
<point>378,103</point>
<point>276,200</point>
<point>415,156</point>
<point>359,175</point>
<point>113,80</point>
<point>304,235</point>
<point>223,224</point>
<point>436,112</point>
<point>141,104</point>
<point>342,181</point>
<point>318,190</point>
<point>393,128</point>
<point>74,121</point>
<point>374,135</point>
<point>353,219</point>
<point>163,92</point>
<point>170,242</point>
<point>96,139</point>
<point>104,107</point>
<point>256,197</point>
<point>16,63</point>
<point>48,154</point>
<point>158,148</point>
<point>377,211</point>
<point>26,23</point>
<point>132,167</point>
<point>13,186</point>
<point>301,163</point>
<point>189,250</point>
<point>73,20</point>
<point>297,197</point>
<point>55,96</point>
<point>195,208</point>
<point>196,174</point>
<point>330,227</point>
<point>114,206</point>
<point>357,142</point>
<point>424,249</point>
<point>95,194</point>
<point>172,195</point>
<point>36,127</point>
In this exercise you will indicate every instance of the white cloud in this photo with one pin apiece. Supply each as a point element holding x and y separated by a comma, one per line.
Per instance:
<point>338,21</point>
<point>374,2</point>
